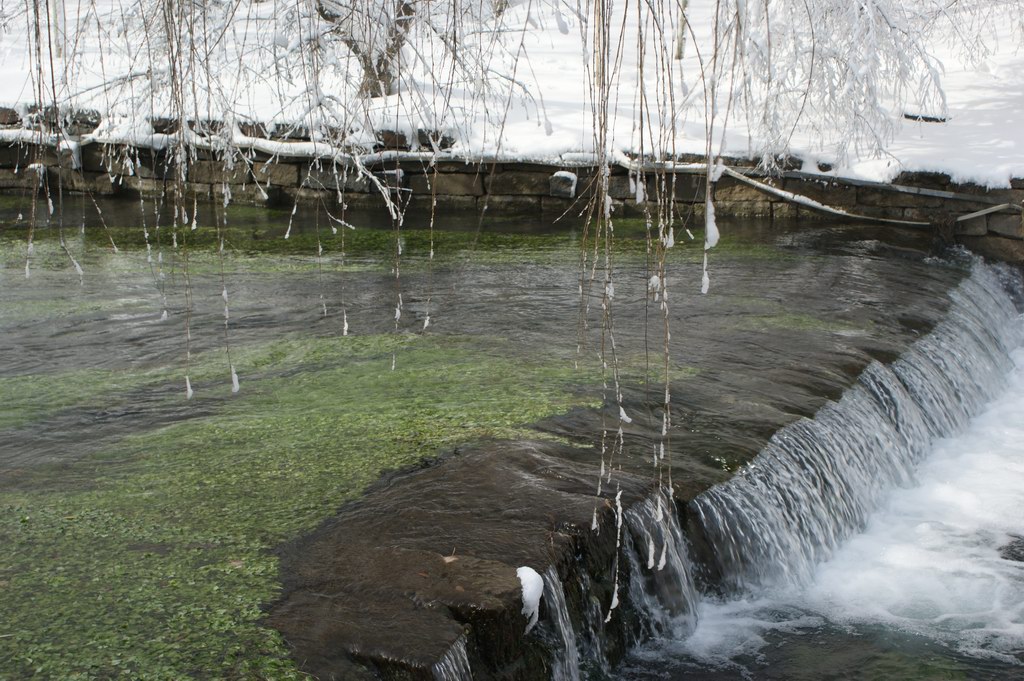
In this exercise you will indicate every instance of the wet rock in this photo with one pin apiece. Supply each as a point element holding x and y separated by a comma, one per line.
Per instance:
<point>395,580</point>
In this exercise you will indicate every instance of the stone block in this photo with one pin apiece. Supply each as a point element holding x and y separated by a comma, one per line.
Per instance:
<point>127,161</point>
<point>308,195</point>
<point>745,209</point>
<point>249,194</point>
<point>974,227</point>
<point>728,190</point>
<point>335,178</point>
<point>276,174</point>
<point>164,126</point>
<point>455,166</point>
<point>141,185</point>
<point>95,158</point>
<point>198,192</point>
<point>996,248</point>
<point>392,139</point>
<point>285,131</point>
<point>511,206</point>
<point>364,202</point>
<point>622,187</point>
<point>434,139</point>
<point>214,172</point>
<point>680,187</point>
<point>871,196</point>
<point>13,156</point>
<point>453,204</point>
<point>77,181</point>
<point>253,129</point>
<point>889,212</point>
<point>1011,226</point>
<point>939,181</point>
<point>9,117</point>
<point>926,215</point>
<point>447,184</point>
<point>828,193</point>
<point>18,179</point>
<point>511,182</point>
<point>562,184</point>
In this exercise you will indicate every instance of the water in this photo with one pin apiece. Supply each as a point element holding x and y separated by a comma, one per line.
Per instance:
<point>454,666</point>
<point>104,464</point>
<point>566,665</point>
<point>853,551</point>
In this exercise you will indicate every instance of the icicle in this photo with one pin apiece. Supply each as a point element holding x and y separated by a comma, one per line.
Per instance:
<point>650,553</point>
<point>618,510</point>
<point>426,322</point>
<point>593,522</point>
<point>670,238</point>
<point>654,283</point>
<point>710,225</point>
<point>344,323</point>
<point>609,290</point>
<point>188,388</point>
<point>163,316</point>
<point>615,600</point>
<point>705,280</point>
<point>291,218</point>
<point>623,417</point>
<point>234,380</point>
<point>664,558</point>
<point>690,234</point>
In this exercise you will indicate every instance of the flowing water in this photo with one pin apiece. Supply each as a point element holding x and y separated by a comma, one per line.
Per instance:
<point>882,538</point>
<point>126,503</point>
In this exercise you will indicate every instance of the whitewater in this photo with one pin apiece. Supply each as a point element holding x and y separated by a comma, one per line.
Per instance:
<point>938,567</point>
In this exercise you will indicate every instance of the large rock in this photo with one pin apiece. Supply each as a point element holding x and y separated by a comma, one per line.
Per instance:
<point>427,561</point>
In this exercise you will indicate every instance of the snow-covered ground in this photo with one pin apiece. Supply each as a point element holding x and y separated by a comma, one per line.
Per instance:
<point>522,84</point>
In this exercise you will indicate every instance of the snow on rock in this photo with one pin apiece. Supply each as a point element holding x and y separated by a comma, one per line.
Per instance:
<point>533,589</point>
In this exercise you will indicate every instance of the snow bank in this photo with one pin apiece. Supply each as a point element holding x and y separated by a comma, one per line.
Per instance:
<point>520,92</point>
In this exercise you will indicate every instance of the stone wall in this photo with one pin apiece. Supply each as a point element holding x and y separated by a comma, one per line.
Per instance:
<point>526,190</point>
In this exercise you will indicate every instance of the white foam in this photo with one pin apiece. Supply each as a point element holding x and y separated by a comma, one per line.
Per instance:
<point>927,563</point>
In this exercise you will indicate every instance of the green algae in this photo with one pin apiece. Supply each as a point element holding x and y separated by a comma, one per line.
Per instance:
<point>159,568</point>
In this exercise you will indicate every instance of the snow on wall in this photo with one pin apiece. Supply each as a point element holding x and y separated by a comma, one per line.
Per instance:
<point>518,89</point>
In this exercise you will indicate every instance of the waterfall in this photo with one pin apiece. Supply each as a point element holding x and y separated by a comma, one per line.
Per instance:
<point>656,571</point>
<point>817,480</point>
<point>454,666</point>
<point>661,585</point>
<point>566,665</point>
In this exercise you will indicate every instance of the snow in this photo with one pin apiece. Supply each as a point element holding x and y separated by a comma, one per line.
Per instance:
<point>533,589</point>
<point>520,88</point>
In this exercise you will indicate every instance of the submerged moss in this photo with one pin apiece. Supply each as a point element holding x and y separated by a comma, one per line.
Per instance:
<point>158,569</point>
